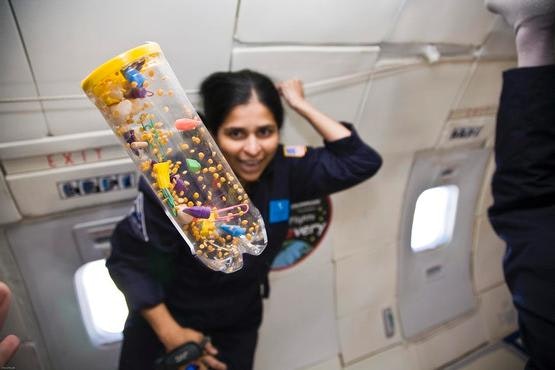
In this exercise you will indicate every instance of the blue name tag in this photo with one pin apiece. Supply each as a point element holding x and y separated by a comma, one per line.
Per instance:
<point>279,210</point>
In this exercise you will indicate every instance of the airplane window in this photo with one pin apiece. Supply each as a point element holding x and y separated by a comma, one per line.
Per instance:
<point>102,305</point>
<point>434,217</point>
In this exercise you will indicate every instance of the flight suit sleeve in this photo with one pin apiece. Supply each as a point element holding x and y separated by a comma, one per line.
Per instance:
<point>336,166</point>
<point>523,212</point>
<point>144,245</point>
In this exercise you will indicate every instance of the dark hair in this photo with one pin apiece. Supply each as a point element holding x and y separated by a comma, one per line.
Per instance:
<point>223,91</point>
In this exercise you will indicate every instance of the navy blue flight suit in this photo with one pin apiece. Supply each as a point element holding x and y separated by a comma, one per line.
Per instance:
<point>151,263</point>
<point>523,213</point>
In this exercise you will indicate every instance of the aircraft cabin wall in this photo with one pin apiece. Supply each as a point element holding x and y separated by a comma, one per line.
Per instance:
<point>419,79</point>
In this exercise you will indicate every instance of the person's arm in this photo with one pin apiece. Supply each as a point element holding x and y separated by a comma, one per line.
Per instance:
<point>344,160</point>
<point>293,93</point>
<point>10,344</point>
<point>172,335</point>
<point>533,22</point>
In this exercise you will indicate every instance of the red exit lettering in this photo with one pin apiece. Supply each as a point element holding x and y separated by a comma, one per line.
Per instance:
<point>67,159</point>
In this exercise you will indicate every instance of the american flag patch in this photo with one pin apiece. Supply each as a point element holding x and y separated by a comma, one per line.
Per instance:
<point>294,151</point>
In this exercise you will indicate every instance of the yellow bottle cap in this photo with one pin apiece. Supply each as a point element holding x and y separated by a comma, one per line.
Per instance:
<point>118,62</point>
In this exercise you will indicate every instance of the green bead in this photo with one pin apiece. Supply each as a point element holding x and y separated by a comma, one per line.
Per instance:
<point>193,165</point>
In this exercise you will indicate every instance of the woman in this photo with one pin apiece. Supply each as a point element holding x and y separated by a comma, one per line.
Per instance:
<point>174,299</point>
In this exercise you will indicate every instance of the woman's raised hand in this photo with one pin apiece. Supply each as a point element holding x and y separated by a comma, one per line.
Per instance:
<point>293,92</point>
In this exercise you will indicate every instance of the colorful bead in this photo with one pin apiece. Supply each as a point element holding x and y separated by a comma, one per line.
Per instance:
<point>193,165</point>
<point>233,230</point>
<point>198,212</point>
<point>132,75</point>
<point>186,124</point>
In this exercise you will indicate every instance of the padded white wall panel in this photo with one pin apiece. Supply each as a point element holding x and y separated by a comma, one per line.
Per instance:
<point>36,193</point>
<point>443,21</point>
<point>8,210</point>
<point>73,116</point>
<point>341,103</point>
<point>406,109</point>
<point>67,40</point>
<point>332,364</point>
<point>317,22</point>
<point>500,43</point>
<point>310,63</point>
<point>366,279</point>
<point>488,254</point>
<point>327,74</point>
<point>362,333</point>
<point>367,216</point>
<point>484,87</point>
<point>450,342</point>
<point>22,120</point>
<point>498,314</point>
<point>396,358</point>
<point>299,320</point>
<point>477,106</point>
<point>486,197</point>
<point>493,357</point>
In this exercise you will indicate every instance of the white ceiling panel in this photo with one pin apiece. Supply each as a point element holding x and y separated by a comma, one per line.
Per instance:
<point>405,110</point>
<point>67,40</point>
<point>18,120</point>
<point>315,21</point>
<point>443,21</point>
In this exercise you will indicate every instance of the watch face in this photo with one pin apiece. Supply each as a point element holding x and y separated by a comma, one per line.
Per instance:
<point>308,222</point>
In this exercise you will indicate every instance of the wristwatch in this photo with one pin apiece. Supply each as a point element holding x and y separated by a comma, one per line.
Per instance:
<point>184,354</point>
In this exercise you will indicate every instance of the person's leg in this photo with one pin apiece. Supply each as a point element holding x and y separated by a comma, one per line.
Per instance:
<point>537,335</point>
<point>236,348</point>
<point>534,23</point>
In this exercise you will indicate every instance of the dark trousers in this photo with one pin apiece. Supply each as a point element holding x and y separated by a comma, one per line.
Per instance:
<point>141,347</point>
<point>538,337</point>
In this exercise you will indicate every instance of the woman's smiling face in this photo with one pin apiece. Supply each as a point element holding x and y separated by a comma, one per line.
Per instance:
<point>248,138</point>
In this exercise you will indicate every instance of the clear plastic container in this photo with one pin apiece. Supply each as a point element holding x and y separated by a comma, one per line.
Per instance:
<point>146,107</point>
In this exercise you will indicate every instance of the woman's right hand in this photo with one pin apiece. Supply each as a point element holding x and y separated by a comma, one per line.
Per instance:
<point>293,93</point>
<point>183,335</point>
<point>172,335</point>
